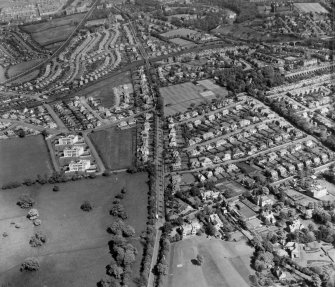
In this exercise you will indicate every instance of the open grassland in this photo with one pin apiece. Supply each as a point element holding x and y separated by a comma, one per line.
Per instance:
<point>76,252</point>
<point>226,264</point>
<point>178,98</point>
<point>116,147</point>
<point>103,90</point>
<point>56,30</point>
<point>2,74</point>
<point>22,158</point>
<point>29,77</point>
<point>23,66</point>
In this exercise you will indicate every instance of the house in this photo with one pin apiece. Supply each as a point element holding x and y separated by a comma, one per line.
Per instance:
<point>316,191</point>
<point>293,249</point>
<point>68,140</point>
<point>206,162</point>
<point>264,200</point>
<point>295,225</point>
<point>216,221</point>
<point>280,274</point>
<point>190,229</point>
<point>282,171</point>
<point>74,151</point>
<point>268,215</point>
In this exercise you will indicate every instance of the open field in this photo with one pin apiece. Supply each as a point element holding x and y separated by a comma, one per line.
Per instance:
<point>104,89</point>
<point>23,66</point>
<point>116,147</point>
<point>23,158</point>
<point>76,251</point>
<point>29,77</point>
<point>53,31</point>
<point>310,7</point>
<point>184,32</point>
<point>226,264</point>
<point>178,98</point>
<point>182,42</point>
<point>2,74</point>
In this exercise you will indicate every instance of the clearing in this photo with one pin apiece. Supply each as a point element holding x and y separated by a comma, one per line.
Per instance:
<point>76,252</point>
<point>116,147</point>
<point>22,158</point>
<point>56,30</point>
<point>226,264</point>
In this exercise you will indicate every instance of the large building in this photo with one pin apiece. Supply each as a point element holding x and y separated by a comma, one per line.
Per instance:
<point>74,151</point>
<point>68,140</point>
<point>80,165</point>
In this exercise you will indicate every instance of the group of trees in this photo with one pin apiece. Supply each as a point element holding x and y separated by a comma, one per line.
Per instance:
<point>123,253</point>
<point>38,239</point>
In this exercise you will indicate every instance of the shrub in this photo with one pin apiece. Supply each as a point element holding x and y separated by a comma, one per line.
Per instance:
<point>25,201</point>
<point>33,214</point>
<point>86,206</point>
<point>30,264</point>
<point>11,185</point>
<point>107,172</point>
<point>56,188</point>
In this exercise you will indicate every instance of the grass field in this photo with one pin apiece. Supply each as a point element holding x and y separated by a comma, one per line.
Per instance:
<point>53,31</point>
<point>76,252</point>
<point>182,42</point>
<point>116,147</point>
<point>23,158</point>
<point>2,74</point>
<point>310,7</point>
<point>29,77</point>
<point>104,89</point>
<point>178,98</point>
<point>226,264</point>
<point>179,32</point>
<point>23,66</point>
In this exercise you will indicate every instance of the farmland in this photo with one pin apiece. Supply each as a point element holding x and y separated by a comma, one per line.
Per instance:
<point>178,98</point>
<point>76,251</point>
<point>226,264</point>
<point>115,147</point>
<point>53,31</point>
<point>18,162</point>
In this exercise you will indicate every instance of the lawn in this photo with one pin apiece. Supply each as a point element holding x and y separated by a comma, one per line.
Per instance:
<point>103,90</point>
<point>182,42</point>
<point>116,147</point>
<point>56,30</point>
<point>226,264</point>
<point>22,158</point>
<point>2,74</point>
<point>76,252</point>
<point>184,32</point>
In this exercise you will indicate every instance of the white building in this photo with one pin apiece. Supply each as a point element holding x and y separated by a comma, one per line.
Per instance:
<point>74,151</point>
<point>69,140</point>
<point>80,165</point>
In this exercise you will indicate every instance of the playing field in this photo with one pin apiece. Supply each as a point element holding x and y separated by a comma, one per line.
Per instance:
<point>310,7</point>
<point>76,252</point>
<point>116,147</point>
<point>178,98</point>
<point>53,31</point>
<point>226,264</point>
<point>22,158</point>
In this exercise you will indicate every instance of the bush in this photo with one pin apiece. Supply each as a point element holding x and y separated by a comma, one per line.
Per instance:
<point>56,188</point>
<point>107,172</point>
<point>25,201</point>
<point>11,185</point>
<point>38,239</point>
<point>30,264</point>
<point>86,206</point>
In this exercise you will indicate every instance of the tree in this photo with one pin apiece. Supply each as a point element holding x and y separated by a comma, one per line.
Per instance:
<point>162,268</point>
<point>210,229</point>
<point>21,133</point>
<point>56,188</point>
<point>30,264</point>
<point>86,206</point>
<point>114,270</point>
<point>38,239</point>
<point>200,259</point>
